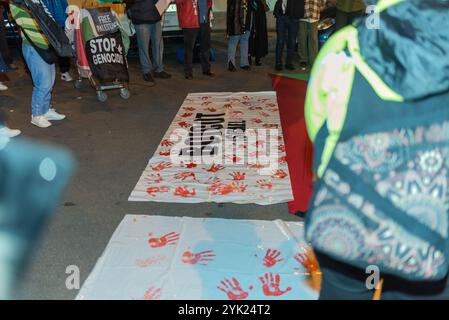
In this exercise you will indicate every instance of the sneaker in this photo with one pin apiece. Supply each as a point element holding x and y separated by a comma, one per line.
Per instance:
<point>3,87</point>
<point>53,115</point>
<point>162,75</point>
<point>303,66</point>
<point>231,67</point>
<point>9,133</point>
<point>40,121</point>
<point>149,78</point>
<point>66,77</point>
<point>246,68</point>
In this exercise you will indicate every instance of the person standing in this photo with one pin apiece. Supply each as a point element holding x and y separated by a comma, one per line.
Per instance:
<point>40,60</point>
<point>147,22</point>
<point>348,11</point>
<point>4,130</point>
<point>238,26</point>
<point>258,42</point>
<point>57,9</point>
<point>308,32</point>
<point>194,19</point>
<point>287,13</point>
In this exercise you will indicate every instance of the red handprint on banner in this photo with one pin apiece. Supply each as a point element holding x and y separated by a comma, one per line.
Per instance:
<point>154,178</point>
<point>271,258</point>
<point>271,285</point>
<point>166,143</point>
<point>189,108</point>
<point>211,109</point>
<point>161,166</point>
<point>270,126</point>
<point>189,165</point>
<point>168,239</point>
<point>256,121</point>
<point>227,106</point>
<point>215,168</point>
<point>279,174</point>
<point>152,294</point>
<point>164,153</point>
<point>153,191</point>
<point>184,124</point>
<point>238,176</point>
<point>222,188</point>
<point>308,260</point>
<point>201,258</point>
<point>185,192</point>
<point>265,184</point>
<point>186,114</point>
<point>281,148</point>
<point>184,175</point>
<point>233,289</point>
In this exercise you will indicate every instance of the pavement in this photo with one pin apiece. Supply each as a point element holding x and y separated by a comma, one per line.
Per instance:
<point>112,142</point>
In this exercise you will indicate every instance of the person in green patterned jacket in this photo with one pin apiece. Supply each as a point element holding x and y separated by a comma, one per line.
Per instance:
<point>40,59</point>
<point>347,11</point>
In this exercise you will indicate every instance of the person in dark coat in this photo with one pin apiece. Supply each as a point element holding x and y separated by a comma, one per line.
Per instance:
<point>238,26</point>
<point>258,42</point>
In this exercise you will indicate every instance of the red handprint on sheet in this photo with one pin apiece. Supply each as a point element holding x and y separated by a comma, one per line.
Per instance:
<point>183,124</point>
<point>237,176</point>
<point>271,285</point>
<point>168,239</point>
<point>166,143</point>
<point>185,192</point>
<point>215,168</point>
<point>308,260</point>
<point>152,294</point>
<point>153,191</point>
<point>265,184</point>
<point>233,289</point>
<point>189,165</point>
<point>189,108</point>
<point>184,175</point>
<point>161,166</point>
<point>186,114</point>
<point>271,258</point>
<point>279,174</point>
<point>211,109</point>
<point>154,178</point>
<point>201,258</point>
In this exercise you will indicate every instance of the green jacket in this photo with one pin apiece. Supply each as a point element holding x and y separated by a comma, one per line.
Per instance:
<point>28,24</point>
<point>350,5</point>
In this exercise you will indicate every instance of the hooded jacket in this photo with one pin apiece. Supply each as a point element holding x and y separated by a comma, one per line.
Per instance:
<point>406,58</point>
<point>143,11</point>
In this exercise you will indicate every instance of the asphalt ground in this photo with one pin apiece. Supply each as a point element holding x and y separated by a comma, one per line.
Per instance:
<point>112,142</point>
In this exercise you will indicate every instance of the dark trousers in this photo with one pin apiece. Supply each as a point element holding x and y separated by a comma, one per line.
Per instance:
<point>190,35</point>
<point>346,18</point>
<point>4,49</point>
<point>64,64</point>
<point>344,282</point>
<point>286,31</point>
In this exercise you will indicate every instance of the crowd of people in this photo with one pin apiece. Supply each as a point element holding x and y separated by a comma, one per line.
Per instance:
<point>246,25</point>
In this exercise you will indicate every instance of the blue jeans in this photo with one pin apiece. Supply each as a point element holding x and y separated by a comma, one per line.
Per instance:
<point>43,75</point>
<point>145,33</point>
<point>244,44</point>
<point>286,27</point>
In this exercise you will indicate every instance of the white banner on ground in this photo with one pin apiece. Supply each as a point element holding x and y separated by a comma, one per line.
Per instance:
<point>221,147</point>
<point>155,257</point>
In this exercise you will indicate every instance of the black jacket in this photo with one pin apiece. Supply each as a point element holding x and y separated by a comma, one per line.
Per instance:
<point>238,17</point>
<point>143,11</point>
<point>295,9</point>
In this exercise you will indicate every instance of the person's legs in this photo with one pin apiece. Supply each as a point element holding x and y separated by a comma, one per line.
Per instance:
<point>4,49</point>
<point>312,42</point>
<point>292,29</point>
<point>280,38</point>
<point>157,46</point>
<point>64,64</point>
<point>244,47</point>
<point>189,44</point>
<point>233,42</point>
<point>43,75</point>
<point>303,43</point>
<point>205,47</point>
<point>143,41</point>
